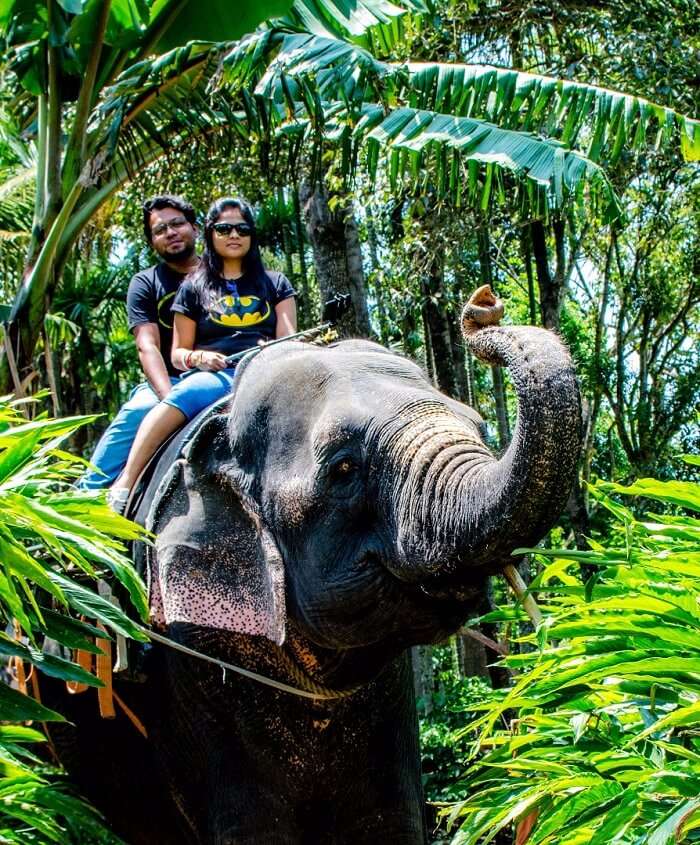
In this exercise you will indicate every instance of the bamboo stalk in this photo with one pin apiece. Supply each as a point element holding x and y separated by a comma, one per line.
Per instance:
<point>520,589</point>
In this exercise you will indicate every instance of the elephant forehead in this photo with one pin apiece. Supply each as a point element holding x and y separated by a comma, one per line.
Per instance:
<point>349,366</point>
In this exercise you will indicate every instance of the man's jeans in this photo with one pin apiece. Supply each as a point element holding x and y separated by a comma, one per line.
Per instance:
<point>113,448</point>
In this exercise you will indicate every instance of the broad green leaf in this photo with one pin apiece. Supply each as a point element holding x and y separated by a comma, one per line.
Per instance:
<point>683,493</point>
<point>666,832</point>
<point>85,601</point>
<point>71,633</point>
<point>214,23</point>
<point>18,733</point>
<point>56,667</point>
<point>15,707</point>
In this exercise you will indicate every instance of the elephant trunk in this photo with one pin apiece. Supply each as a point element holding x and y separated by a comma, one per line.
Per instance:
<point>457,507</point>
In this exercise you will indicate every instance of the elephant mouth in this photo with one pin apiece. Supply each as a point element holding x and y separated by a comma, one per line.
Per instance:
<point>458,593</point>
<point>445,594</point>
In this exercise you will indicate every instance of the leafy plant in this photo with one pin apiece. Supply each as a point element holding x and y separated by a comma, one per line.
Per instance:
<point>606,744</point>
<point>54,542</point>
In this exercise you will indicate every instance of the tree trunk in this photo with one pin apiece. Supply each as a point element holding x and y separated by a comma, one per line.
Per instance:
<point>460,363</point>
<point>377,279</point>
<point>304,302</point>
<point>337,256</point>
<point>499,395</point>
<point>428,347</point>
<point>438,327</point>
<point>552,287</point>
<point>527,258</point>
<point>356,272</point>
<point>472,658</point>
<point>286,242</point>
<point>483,240</point>
<point>423,675</point>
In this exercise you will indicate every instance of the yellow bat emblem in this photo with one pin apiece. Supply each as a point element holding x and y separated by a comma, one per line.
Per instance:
<point>239,312</point>
<point>165,315</point>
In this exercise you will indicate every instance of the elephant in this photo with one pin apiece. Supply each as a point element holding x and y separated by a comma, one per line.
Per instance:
<point>341,511</point>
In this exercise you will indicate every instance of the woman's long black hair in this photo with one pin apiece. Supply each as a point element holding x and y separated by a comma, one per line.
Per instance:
<point>207,280</point>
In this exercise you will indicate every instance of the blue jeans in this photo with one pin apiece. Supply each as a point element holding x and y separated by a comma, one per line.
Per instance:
<point>112,450</point>
<point>197,389</point>
<point>191,393</point>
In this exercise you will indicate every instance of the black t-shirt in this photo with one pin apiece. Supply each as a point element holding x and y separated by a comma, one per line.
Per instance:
<point>148,300</point>
<point>240,313</point>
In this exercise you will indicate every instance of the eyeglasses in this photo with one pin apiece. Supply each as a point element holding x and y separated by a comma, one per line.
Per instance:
<point>225,229</point>
<point>174,224</point>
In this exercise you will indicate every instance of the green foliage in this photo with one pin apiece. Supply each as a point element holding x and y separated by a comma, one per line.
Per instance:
<point>54,541</point>
<point>605,745</point>
<point>457,128</point>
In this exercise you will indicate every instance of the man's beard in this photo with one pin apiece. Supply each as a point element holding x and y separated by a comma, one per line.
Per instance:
<point>181,255</point>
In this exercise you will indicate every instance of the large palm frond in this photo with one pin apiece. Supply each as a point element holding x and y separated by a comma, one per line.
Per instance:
<point>596,121</point>
<point>460,127</point>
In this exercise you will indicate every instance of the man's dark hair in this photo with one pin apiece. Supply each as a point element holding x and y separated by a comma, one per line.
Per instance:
<point>166,201</point>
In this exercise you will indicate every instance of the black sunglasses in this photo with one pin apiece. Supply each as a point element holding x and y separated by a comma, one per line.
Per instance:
<point>225,229</point>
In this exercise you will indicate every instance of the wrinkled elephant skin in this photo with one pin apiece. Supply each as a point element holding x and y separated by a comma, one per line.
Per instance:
<point>342,511</point>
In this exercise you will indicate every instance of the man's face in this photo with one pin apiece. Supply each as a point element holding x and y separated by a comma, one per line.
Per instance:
<point>172,236</point>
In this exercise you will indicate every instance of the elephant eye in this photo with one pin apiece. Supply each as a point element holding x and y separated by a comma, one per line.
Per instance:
<point>343,469</point>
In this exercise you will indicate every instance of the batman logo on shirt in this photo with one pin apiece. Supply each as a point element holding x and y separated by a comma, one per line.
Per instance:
<point>240,312</point>
<point>165,315</point>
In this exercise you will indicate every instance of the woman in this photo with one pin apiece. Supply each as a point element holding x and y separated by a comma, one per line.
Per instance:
<point>227,306</point>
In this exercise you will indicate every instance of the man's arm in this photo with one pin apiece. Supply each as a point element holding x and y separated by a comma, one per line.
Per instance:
<point>147,339</point>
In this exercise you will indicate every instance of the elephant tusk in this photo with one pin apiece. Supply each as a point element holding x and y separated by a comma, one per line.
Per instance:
<point>521,590</point>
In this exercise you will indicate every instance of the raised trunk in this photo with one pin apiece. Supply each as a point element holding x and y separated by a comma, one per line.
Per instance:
<point>458,508</point>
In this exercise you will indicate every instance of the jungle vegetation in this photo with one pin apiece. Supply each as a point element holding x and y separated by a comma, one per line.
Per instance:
<point>405,154</point>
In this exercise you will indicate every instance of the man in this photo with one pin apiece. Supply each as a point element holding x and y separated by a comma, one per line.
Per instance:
<point>169,224</point>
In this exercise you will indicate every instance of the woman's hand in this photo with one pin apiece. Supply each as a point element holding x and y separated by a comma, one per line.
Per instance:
<point>207,360</point>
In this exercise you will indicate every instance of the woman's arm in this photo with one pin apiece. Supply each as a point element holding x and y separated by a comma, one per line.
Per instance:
<point>286,313</point>
<point>183,355</point>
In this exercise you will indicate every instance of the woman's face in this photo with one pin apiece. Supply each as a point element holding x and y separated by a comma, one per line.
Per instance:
<point>230,244</point>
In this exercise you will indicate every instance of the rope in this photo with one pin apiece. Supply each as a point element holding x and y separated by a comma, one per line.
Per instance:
<point>312,689</point>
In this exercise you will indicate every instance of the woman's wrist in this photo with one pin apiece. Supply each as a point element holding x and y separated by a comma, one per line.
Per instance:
<point>192,358</point>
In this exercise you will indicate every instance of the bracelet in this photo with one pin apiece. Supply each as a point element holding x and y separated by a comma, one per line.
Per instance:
<point>187,360</point>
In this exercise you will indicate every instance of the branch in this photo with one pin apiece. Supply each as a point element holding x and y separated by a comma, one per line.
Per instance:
<point>677,318</point>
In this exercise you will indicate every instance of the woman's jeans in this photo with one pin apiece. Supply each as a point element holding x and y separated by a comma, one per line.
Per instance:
<point>190,393</point>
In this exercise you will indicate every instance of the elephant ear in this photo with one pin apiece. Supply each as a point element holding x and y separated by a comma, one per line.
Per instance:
<point>215,563</point>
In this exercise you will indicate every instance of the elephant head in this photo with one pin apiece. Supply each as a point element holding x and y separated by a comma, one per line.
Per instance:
<point>344,495</point>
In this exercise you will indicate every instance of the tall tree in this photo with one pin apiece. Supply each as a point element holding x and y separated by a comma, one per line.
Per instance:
<point>332,231</point>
